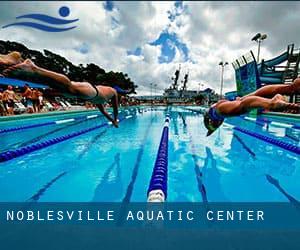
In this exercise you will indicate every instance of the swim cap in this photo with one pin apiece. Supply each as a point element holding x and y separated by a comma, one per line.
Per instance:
<point>211,124</point>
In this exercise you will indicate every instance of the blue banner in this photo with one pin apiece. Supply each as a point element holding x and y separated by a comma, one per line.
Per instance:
<point>227,216</point>
<point>149,226</point>
<point>247,79</point>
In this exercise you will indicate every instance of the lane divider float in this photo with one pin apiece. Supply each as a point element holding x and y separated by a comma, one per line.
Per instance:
<point>157,191</point>
<point>11,154</point>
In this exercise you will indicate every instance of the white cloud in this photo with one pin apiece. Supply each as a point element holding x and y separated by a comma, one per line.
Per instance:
<point>212,31</point>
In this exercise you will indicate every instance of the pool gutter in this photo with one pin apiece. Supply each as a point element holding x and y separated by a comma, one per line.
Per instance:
<point>281,115</point>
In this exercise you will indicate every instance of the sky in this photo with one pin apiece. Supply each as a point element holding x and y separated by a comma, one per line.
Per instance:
<point>148,40</point>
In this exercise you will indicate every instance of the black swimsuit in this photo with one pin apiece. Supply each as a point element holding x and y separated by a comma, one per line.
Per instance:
<point>97,93</point>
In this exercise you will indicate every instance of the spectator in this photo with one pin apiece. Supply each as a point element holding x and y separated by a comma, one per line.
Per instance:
<point>41,100</point>
<point>9,98</point>
<point>35,100</point>
<point>3,110</point>
<point>27,95</point>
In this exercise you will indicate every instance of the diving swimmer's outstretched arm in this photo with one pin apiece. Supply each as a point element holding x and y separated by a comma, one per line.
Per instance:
<point>107,115</point>
<point>115,105</point>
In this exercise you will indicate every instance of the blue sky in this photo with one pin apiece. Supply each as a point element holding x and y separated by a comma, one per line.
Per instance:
<point>168,41</point>
<point>108,5</point>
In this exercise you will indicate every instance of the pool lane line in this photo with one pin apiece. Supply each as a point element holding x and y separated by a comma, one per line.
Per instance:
<point>136,167</point>
<point>88,145</point>
<point>127,197</point>
<point>92,141</point>
<point>40,192</point>
<point>244,145</point>
<point>57,122</point>
<point>281,144</point>
<point>276,184</point>
<point>104,178</point>
<point>158,186</point>
<point>197,167</point>
<point>11,154</point>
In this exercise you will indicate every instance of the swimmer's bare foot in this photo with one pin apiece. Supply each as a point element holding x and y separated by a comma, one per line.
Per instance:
<point>279,104</point>
<point>27,66</point>
<point>296,85</point>
<point>10,59</point>
<point>115,123</point>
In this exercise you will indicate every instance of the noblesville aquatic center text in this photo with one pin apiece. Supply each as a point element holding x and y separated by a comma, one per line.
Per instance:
<point>141,215</point>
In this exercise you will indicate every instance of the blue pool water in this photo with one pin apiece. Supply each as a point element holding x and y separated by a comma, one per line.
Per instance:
<point>110,164</point>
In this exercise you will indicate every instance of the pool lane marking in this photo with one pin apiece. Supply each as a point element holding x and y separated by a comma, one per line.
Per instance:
<point>49,184</point>
<point>276,184</point>
<point>244,145</point>
<point>11,154</point>
<point>40,192</point>
<point>250,119</point>
<point>104,178</point>
<point>197,167</point>
<point>261,121</point>
<point>90,143</point>
<point>136,167</point>
<point>93,116</point>
<point>65,121</point>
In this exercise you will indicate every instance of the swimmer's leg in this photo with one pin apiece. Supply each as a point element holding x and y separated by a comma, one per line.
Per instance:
<point>64,82</point>
<point>247,103</point>
<point>282,89</point>
<point>11,58</point>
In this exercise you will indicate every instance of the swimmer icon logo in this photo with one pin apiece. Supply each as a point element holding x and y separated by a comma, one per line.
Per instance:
<point>57,24</point>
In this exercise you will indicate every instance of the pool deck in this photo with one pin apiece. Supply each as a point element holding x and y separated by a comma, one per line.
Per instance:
<point>45,114</point>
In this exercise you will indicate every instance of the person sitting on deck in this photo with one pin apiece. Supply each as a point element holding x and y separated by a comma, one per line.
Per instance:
<point>96,94</point>
<point>268,97</point>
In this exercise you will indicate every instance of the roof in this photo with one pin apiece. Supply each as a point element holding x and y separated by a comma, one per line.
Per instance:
<point>18,83</point>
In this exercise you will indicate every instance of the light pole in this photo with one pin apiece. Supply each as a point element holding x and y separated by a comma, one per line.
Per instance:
<point>222,64</point>
<point>200,85</point>
<point>259,38</point>
<point>155,85</point>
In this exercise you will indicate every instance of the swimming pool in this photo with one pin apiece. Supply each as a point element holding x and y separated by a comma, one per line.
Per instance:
<point>115,165</point>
